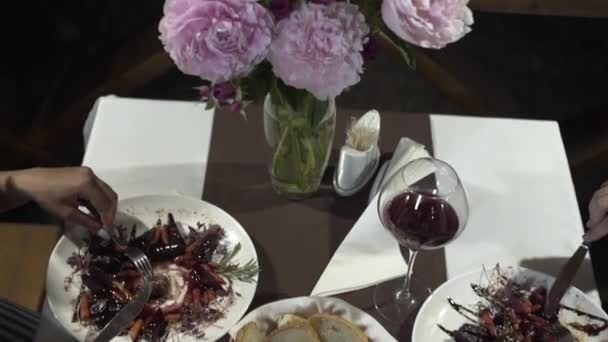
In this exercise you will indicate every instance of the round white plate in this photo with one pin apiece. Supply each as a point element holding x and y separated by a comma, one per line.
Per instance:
<point>145,211</point>
<point>267,316</point>
<point>437,310</point>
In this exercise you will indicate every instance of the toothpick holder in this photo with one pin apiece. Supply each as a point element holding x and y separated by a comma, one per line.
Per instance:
<point>356,167</point>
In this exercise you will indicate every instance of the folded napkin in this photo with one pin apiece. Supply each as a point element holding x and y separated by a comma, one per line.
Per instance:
<point>368,245</point>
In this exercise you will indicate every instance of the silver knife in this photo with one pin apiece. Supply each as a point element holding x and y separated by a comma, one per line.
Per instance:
<point>564,279</point>
<point>125,316</point>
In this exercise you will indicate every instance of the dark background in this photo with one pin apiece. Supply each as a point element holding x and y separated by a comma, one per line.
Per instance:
<point>55,53</point>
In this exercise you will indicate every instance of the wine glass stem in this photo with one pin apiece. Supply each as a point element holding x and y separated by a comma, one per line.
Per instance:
<point>406,293</point>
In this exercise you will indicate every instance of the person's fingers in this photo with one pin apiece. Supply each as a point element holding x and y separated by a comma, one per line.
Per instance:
<point>81,202</point>
<point>76,216</point>
<point>598,207</point>
<point>91,191</point>
<point>70,213</point>
<point>108,217</point>
<point>597,232</point>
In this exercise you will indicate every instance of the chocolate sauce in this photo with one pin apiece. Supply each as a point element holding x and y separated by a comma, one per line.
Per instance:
<point>464,311</point>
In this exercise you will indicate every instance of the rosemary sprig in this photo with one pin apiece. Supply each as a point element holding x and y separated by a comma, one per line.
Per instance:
<point>229,256</point>
<point>244,273</point>
<point>234,271</point>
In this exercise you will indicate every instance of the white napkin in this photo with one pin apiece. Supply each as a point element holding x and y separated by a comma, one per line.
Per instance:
<point>266,316</point>
<point>523,207</point>
<point>149,146</point>
<point>368,246</point>
<point>172,179</point>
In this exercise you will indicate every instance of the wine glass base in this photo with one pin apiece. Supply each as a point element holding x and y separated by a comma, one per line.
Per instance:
<point>395,308</point>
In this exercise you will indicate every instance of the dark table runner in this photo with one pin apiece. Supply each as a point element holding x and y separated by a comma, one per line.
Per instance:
<point>295,240</point>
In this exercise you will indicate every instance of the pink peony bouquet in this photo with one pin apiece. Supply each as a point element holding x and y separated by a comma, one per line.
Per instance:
<point>244,48</point>
<point>297,56</point>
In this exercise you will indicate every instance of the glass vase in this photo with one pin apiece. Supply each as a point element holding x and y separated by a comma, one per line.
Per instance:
<point>300,133</point>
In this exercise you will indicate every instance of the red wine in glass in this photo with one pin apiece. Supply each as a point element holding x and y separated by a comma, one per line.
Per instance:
<point>421,219</point>
<point>424,206</point>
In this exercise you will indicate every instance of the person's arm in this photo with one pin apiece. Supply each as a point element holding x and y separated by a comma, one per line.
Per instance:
<point>60,191</point>
<point>10,196</point>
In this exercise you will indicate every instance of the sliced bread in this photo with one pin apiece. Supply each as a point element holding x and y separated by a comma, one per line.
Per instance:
<point>291,320</point>
<point>250,333</point>
<point>332,328</point>
<point>295,333</point>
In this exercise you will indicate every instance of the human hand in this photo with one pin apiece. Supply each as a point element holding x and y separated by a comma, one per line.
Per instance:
<point>598,215</point>
<point>61,191</point>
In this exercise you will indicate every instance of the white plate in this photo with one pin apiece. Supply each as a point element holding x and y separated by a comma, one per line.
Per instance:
<point>144,211</point>
<point>266,316</point>
<point>437,310</point>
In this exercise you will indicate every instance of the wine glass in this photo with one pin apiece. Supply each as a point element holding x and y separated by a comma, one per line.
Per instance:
<point>424,206</point>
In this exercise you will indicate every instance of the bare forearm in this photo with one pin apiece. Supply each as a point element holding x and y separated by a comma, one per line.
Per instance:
<point>11,194</point>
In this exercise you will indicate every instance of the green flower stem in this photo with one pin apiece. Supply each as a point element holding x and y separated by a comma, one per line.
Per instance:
<point>409,60</point>
<point>279,150</point>
<point>310,154</point>
<point>298,154</point>
<point>297,161</point>
<point>303,128</point>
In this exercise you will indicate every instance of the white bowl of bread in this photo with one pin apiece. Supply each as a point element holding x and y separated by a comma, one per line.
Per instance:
<point>293,328</point>
<point>309,319</point>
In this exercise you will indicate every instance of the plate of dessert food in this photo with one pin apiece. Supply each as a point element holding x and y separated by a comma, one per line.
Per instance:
<point>204,263</point>
<point>506,304</point>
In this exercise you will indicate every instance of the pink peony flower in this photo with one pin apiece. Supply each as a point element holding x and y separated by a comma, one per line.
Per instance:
<point>217,40</point>
<point>318,48</point>
<point>428,23</point>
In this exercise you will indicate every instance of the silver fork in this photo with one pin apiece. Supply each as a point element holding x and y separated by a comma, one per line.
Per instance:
<point>132,309</point>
